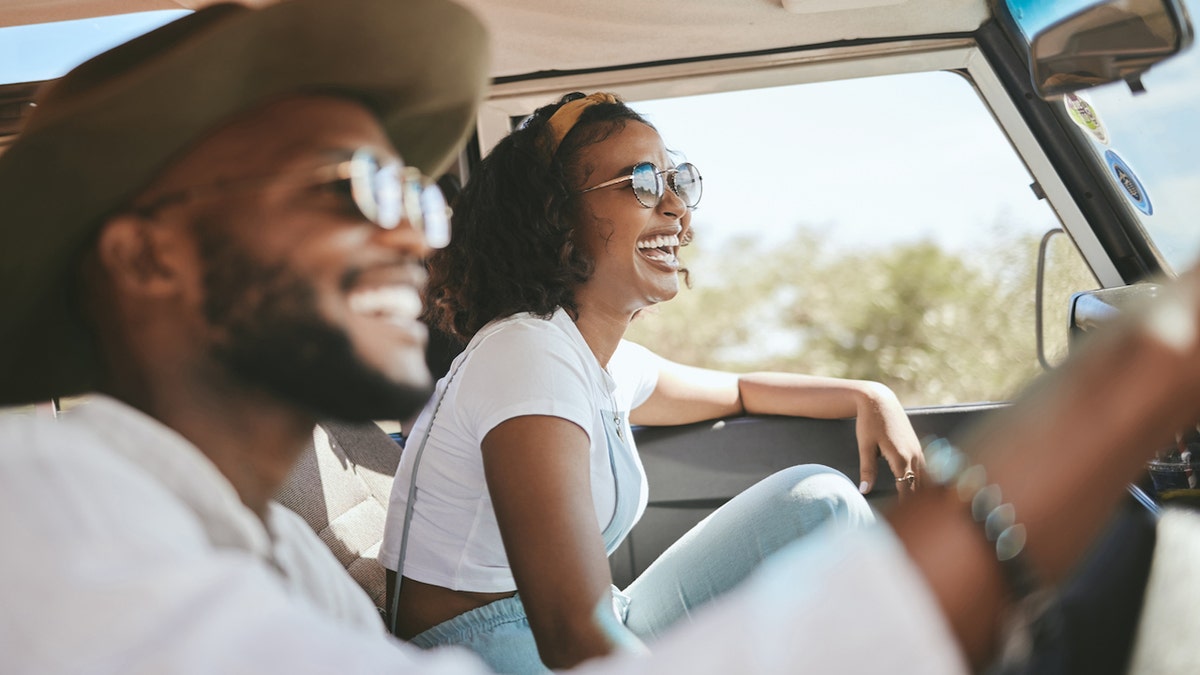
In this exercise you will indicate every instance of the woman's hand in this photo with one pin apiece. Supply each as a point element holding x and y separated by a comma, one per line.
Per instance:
<point>685,394</point>
<point>882,427</point>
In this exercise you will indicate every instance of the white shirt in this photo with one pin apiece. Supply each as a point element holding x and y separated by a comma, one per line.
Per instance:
<point>125,551</point>
<point>520,365</point>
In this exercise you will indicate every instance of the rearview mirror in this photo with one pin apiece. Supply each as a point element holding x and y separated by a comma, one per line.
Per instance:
<point>1105,42</point>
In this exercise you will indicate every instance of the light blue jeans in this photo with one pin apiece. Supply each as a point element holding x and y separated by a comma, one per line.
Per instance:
<point>714,556</point>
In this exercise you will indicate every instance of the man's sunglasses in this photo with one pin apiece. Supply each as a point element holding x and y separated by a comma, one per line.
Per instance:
<point>384,191</point>
<point>649,184</point>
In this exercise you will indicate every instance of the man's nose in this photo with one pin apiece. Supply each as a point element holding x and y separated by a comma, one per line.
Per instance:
<point>406,238</point>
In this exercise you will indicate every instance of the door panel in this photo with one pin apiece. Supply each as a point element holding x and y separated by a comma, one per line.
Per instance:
<point>693,469</point>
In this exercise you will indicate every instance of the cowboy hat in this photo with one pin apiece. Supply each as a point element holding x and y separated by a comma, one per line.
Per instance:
<point>104,130</point>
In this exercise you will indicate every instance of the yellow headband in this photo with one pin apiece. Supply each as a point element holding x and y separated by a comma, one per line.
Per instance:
<point>565,118</point>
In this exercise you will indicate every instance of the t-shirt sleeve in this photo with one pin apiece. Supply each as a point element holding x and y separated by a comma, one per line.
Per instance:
<point>526,368</point>
<point>635,369</point>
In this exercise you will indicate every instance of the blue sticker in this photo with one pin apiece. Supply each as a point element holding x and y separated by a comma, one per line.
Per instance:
<point>1130,185</point>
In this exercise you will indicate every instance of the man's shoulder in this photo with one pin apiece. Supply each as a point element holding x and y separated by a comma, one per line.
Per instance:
<point>62,470</point>
<point>23,436</point>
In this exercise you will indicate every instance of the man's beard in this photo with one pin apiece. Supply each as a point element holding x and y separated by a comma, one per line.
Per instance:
<point>274,337</point>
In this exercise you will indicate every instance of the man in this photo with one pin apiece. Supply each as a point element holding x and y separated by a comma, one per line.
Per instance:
<point>210,227</point>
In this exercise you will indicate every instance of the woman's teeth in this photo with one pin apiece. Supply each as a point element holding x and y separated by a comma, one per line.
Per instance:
<point>660,248</point>
<point>660,241</point>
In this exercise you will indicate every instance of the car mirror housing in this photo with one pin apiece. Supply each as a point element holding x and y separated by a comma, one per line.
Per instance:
<point>1109,41</point>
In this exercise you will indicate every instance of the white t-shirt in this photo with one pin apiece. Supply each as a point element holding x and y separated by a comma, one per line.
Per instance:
<point>520,365</point>
<point>127,550</point>
<point>110,523</point>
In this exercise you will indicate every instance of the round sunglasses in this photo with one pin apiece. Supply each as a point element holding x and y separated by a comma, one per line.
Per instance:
<point>649,184</point>
<point>382,188</point>
<point>388,192</point>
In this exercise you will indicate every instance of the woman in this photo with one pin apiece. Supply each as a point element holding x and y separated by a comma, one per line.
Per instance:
<point>521,474</point>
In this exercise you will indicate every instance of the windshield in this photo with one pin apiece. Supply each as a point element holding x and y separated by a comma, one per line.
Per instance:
<point>1145,144</point>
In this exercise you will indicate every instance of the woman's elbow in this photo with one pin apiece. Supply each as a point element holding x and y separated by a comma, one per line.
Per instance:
<point>570,641</point>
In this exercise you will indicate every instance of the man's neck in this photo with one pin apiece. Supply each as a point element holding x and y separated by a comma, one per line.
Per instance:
<point>251,437</point>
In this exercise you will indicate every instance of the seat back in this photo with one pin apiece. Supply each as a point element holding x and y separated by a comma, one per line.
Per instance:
<point>341,485</point>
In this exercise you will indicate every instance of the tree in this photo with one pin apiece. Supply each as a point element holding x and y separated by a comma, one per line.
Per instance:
<point>937,326</point>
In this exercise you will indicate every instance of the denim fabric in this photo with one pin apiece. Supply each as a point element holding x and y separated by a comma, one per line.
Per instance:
<point>499,632</point>
<point>724,548</point>
<point>711,558</point>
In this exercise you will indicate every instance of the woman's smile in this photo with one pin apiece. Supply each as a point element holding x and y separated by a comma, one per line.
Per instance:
<point>634,247</point>
<point>661,250</point>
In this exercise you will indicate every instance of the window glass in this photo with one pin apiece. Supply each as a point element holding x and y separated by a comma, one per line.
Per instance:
<point>878,228</point>
<point>48,50</point>
<point>1145,145</point>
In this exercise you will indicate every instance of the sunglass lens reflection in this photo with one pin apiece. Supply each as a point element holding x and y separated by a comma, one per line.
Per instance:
<point>647,184</point>
<point>436,216</point>
<point>686,183</point>
<point>388,193</point>
<point>384,196</point>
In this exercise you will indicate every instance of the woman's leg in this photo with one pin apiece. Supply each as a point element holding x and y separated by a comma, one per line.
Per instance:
<point>725,547</point>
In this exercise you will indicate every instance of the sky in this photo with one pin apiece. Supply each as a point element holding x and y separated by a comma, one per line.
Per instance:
<point>900,158</point>
<point>873,161</point>
<point>48,50</point>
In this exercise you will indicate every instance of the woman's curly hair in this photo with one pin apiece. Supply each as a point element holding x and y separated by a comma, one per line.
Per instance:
<point>513,248</point>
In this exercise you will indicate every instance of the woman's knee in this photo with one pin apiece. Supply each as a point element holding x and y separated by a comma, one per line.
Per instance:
<point>818,492</point>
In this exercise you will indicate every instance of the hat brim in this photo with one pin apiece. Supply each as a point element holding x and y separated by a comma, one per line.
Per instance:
<point>104,131</point>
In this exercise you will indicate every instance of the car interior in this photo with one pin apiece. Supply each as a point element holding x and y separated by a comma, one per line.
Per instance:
<point>650,51</point>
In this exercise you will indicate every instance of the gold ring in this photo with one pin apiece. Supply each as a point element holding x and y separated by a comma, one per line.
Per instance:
<point>909,477</point>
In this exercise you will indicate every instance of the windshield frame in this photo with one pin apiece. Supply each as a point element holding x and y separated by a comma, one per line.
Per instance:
<point>1109,163</point>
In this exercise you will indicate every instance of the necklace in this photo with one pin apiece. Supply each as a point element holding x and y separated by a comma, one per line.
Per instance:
<point>616,413</point>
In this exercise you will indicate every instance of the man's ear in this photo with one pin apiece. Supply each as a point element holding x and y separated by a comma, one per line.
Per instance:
<point>141,256</point>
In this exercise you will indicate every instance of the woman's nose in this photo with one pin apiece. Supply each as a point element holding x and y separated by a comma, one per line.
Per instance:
<point>672,204</point>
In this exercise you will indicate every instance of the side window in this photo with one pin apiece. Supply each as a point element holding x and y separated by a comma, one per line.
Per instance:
<point>878,228</point>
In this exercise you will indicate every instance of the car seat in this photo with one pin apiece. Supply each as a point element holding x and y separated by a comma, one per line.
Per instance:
<point>340,486</point>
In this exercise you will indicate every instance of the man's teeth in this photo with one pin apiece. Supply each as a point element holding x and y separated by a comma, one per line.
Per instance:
<point>392,302</point>
<point>660,241</point>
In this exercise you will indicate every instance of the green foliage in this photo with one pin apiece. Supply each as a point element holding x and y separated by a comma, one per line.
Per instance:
<point>936,326</point>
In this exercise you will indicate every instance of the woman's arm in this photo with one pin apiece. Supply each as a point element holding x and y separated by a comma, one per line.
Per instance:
<point>538,473</point>
<point>685,394</point>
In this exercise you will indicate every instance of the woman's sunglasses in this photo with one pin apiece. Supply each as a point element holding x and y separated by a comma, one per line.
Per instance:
<point>383,190</point>
<point>649,184</point>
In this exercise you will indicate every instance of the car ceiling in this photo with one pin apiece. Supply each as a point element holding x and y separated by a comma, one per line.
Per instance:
<point>533,36</point>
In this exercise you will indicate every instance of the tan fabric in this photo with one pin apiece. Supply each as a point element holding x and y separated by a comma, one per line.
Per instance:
<point>565,118</point>
<point>340,486</point>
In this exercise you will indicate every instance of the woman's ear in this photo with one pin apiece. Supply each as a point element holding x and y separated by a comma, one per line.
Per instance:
<point>140,256</point>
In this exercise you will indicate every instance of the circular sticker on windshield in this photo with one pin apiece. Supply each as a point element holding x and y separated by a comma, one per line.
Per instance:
<point>1083,114</point>
<point>1129,182</point>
